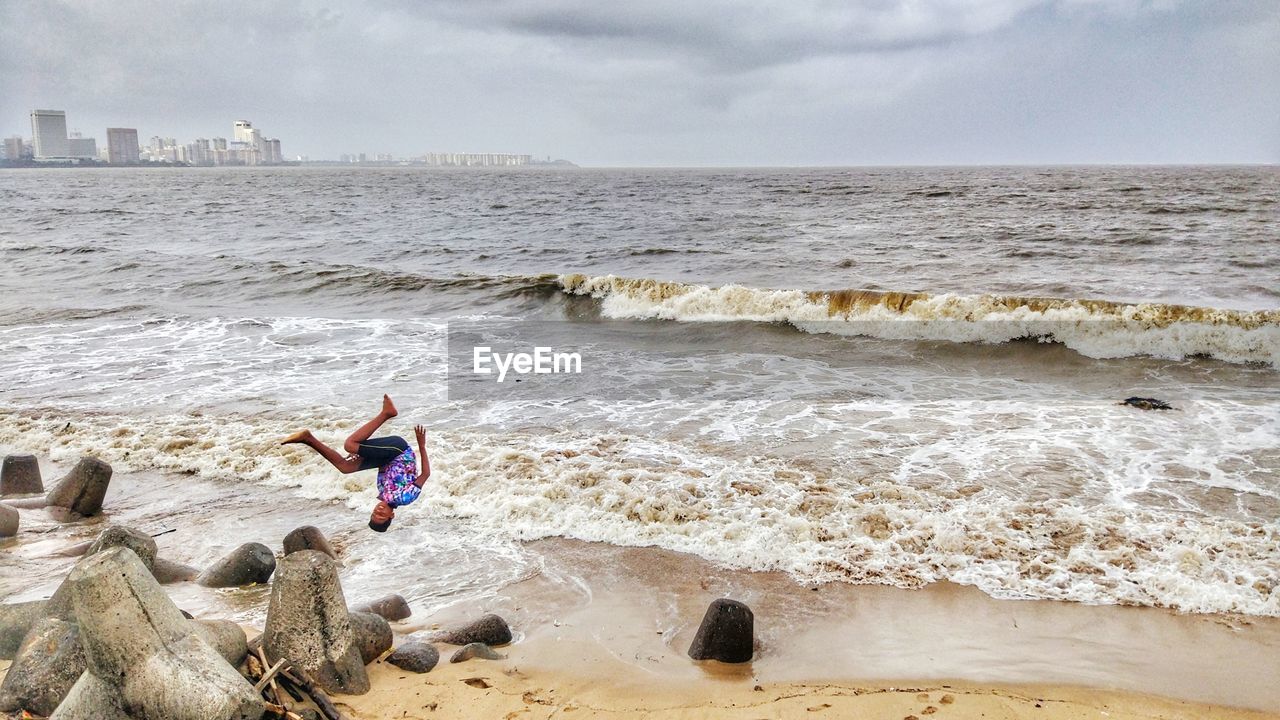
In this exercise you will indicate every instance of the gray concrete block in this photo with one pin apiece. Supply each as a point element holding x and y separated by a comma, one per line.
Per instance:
<point>83,489</point>
<point>308,623</point>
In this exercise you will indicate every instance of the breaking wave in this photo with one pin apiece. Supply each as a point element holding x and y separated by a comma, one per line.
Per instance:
<point>816,523</point>
<point>1095,328</point>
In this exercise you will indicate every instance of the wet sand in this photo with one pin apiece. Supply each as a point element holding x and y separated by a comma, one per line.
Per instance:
<point>603,630</point>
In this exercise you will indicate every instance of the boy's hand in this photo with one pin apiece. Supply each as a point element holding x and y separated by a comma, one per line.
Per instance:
<point>421,433</point>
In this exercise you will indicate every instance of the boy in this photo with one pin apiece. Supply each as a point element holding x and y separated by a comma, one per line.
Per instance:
<point>399,482</point>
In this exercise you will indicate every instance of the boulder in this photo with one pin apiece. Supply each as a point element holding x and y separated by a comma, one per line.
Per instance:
<point>248,564</point>
<point>224,636</point>
<point>46,666</point>
<point>727,633</point>
<point>415,656</point>
<point>309,625</point>
<point>138,643</point>
<point>391,607</point>
<point>16,620</point>
<point>120,536</point>
<point>20,475</point>
<point>475,650</point>
<point>9,519</point>
<point>490,630</point>
<point>168,571</point>
<point>308,537</point>
<point>91,699</point>
<point>83,489</point>
<point>372,635</point>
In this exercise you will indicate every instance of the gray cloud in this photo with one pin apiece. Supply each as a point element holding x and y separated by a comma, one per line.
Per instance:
<point>666,82</point>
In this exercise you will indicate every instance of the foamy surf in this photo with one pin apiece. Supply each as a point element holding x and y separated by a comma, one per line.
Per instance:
<point>815,522</point>
<point>1095,328</point>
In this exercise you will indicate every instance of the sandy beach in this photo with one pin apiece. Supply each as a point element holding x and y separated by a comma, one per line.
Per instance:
<point>602,631</point>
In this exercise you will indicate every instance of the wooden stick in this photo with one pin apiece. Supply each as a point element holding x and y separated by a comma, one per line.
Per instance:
<point>275,691</point>
<point>268,676</point>
<point>289,687</point>
<point>322,701</point>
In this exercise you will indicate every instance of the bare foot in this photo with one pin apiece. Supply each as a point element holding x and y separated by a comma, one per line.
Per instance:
<point>388,407</point>
<point>299,437</point>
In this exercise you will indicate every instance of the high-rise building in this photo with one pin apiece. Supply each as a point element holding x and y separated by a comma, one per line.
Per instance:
<point>82,147</point>
<point>122,146</point>
<point>13,147</point>
<point>49,133</point>
<point>273,155</point>
<point>240,131</point>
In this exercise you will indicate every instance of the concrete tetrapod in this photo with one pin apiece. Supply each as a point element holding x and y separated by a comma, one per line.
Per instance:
<point>16,620</point>
<point>83,489</point>
<point>139,542</point>
<point>20,475</point>
<point>308,537</point>
<point>248,564</point>
<point>9,520</point>
<point>309,625</point>
<point>46,666</point>
<point>727,633</point>
<point>141,647</point>
<point>392,607</point>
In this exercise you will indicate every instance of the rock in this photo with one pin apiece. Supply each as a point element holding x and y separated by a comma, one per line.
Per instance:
<point>310,714</point>
<point>391,607</point>
<point>83,489</point>
<point>16,620</point>
<point>225,637</point>
<point>46,666</point>
<point>490,630</point>
<point>414,656</point>
<point>727,633</point>
<point>372,635</point>
<point>250,563</point>
<point>120,536</point>
<point>475,650</point>
<point>168,571</point>
<point>308,623</point>
<point>1147,403</point>
<point>91,699</point>
<point>137,642</point>
<point>20,475</point>
<point>308,537</point>
<point>9,519</point>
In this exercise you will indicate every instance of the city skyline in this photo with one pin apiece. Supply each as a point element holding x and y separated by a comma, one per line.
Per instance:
<point>656,82</point>
<point>51,142</point>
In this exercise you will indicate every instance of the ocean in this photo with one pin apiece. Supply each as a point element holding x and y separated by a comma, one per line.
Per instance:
<point>892,376</point>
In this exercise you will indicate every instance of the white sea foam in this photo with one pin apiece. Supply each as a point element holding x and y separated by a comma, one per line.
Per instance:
<point>765,513</point>
<point>1094,328</point>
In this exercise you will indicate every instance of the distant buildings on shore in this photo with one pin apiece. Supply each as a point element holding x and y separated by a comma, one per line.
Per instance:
<point>443,159</point>
<point>476,160</point>
<point>51,144</point>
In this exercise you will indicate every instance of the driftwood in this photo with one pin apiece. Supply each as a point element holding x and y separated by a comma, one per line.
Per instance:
<point>270,678</point>
<point>318,696</point>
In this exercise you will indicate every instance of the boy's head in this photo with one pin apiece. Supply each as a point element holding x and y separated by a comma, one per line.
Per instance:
<point>381,517</point>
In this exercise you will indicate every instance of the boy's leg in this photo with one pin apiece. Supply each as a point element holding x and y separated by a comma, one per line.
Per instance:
<point>344,464</point>
<point>366,431</point>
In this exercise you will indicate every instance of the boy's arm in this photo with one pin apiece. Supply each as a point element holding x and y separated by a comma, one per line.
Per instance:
<point>421,433</point>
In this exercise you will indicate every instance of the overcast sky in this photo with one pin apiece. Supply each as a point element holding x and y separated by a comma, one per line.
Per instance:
<point>667,82</point>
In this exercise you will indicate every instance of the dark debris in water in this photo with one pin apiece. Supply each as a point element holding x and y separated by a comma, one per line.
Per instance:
<point>1147,403</point>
